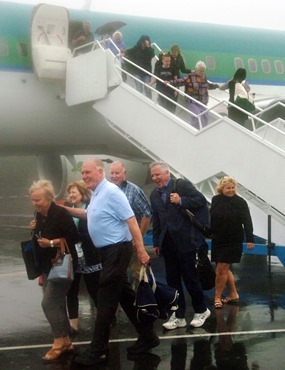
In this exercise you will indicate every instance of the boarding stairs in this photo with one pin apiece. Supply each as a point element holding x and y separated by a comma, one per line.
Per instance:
<point>255,155</point>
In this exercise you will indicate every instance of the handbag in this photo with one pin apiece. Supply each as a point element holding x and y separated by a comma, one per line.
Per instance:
<point>146,305</point>
<point>62,268</point>
<point>205,269</point>
<point>31,259</point>
<point>154,300</point>
<point>245,104</point>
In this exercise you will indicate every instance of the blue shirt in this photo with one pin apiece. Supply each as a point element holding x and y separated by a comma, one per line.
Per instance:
<point>107,213</point>
<point>138,200</point>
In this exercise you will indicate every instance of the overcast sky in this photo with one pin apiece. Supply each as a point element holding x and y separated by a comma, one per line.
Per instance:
<point>251,13</point>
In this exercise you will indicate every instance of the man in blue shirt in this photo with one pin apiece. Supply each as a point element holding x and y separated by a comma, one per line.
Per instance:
<point>112,226</point>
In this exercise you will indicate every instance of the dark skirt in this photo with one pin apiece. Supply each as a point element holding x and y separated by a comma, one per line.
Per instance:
<point>226,252</point>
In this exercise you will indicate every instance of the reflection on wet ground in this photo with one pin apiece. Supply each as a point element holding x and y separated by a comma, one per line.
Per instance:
<point>250,335</point>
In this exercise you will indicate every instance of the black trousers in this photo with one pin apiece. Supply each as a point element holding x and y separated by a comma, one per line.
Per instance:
<point>91,282</point>
<point>115,288</point>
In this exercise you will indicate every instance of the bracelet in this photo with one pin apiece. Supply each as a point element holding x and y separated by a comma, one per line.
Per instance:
<point>51,244</point>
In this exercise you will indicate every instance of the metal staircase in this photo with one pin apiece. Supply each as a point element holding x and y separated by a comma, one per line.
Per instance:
<point>254,155</point>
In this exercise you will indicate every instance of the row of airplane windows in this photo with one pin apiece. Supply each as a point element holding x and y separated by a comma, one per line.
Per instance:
<point>252,64</point>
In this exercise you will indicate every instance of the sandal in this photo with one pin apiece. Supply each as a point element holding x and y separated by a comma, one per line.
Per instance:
<point>53,354</point>
<point>218,303</point>
<point>229,300</point>
<point>68,348</point>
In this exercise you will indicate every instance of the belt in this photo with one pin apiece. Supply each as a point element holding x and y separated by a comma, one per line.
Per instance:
<point>114,245</point>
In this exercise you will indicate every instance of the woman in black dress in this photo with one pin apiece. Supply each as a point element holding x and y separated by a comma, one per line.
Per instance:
<point>230,221</point>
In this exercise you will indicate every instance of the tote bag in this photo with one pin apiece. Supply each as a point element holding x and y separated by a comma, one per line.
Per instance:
<point>31,259</point>
<point>62,268</point>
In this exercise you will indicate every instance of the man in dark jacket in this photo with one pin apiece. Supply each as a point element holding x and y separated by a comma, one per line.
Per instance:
<point>141,55</point>
<point>177,240</point>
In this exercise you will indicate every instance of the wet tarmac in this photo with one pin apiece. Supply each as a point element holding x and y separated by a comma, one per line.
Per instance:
<point>250,335</point>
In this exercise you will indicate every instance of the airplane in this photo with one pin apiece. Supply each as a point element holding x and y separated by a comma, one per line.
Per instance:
<point>35,120</point>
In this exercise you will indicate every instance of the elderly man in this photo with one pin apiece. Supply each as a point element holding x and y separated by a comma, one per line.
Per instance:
<point>139,203</point>
<point>177,240</point>
<point>112,226</point>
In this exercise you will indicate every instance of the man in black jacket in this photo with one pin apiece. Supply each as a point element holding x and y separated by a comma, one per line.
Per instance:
<point>177,240</point>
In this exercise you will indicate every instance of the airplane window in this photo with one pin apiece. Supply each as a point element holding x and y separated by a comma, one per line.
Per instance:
<point>4,50</point>
<point>252,65</point>
<point>279,67</point>
<point>266,67</point>
<point>22,49</point>
<point>210,62</point>
<point>239,63</point>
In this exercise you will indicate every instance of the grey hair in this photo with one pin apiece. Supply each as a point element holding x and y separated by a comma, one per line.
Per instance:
<point>163,165</point>
<point>200,64</point>
<point>118,33</point>
<point>45,185</point>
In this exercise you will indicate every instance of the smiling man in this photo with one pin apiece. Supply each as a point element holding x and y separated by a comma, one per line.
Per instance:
<point>112,227</point>
<point>177,240</point>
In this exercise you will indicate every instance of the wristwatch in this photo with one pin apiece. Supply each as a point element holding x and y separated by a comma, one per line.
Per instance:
<point>51,243</point>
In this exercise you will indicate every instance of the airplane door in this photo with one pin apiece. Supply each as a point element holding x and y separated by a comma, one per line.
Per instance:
<point>49,41</point>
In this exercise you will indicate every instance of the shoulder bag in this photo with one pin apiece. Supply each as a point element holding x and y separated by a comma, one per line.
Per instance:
<point>62,268</point>
<point>31,259</point>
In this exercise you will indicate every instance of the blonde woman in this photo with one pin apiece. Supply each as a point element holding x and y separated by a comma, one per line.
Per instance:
<point>230,223</point>
<point>51,223</point>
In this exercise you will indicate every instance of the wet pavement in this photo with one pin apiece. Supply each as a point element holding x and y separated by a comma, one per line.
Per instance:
<point>250,335</point>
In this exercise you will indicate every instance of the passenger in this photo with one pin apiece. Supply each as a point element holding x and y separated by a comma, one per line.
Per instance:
<point>238,86</point>
<point>141,54</point>
<point>51,223</point>
<point>230,219</point>
<point>82,37</point>
<point>119,47</point>
<point>166,73</point>
<point>140,206</point>
<point>112,225</point>
<point>177,60</point>
<point>88,256</point>
<point>197,86</point>
<point>175,239</point>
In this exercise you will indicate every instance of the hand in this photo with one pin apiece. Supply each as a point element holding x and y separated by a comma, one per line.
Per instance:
<point>250,245</point>
<point>143,257</point>
<point>175,198</point>
<point>44,242</point>
<point>156,251</point>
<point>33,224</point>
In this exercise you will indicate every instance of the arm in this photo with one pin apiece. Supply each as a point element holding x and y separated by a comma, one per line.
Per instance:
<point>143,257</point>
<point>76,212</point>
<point>248,227</point>
<point>145,221</point>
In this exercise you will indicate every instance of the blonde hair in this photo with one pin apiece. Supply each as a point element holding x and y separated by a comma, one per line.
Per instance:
<point>225,181</point>
<point>45,185</point>
<point>83,190</point>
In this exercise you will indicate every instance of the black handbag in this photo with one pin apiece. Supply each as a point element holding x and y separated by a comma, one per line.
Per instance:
<point>205,269</point>
<point>31,259</point>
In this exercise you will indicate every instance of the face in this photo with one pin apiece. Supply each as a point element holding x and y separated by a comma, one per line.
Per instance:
<point>159,176</point>
<point>91,175</point>
<point>174,53</point>
<point>117,174</point>
<point>75,195</point>
<point>40,201</point>
<point>117,38</point>
<point>166,61</point>
<point>229,190</point>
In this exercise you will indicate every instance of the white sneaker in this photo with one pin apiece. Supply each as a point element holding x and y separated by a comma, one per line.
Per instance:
<point>200,318</point>
<point>174,323</point>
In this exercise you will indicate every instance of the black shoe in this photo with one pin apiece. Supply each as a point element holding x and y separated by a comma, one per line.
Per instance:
<point>90,358</point>
<point>143,345</point>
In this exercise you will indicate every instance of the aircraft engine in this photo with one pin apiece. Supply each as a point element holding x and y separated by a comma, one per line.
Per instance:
<point>59,170</point>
